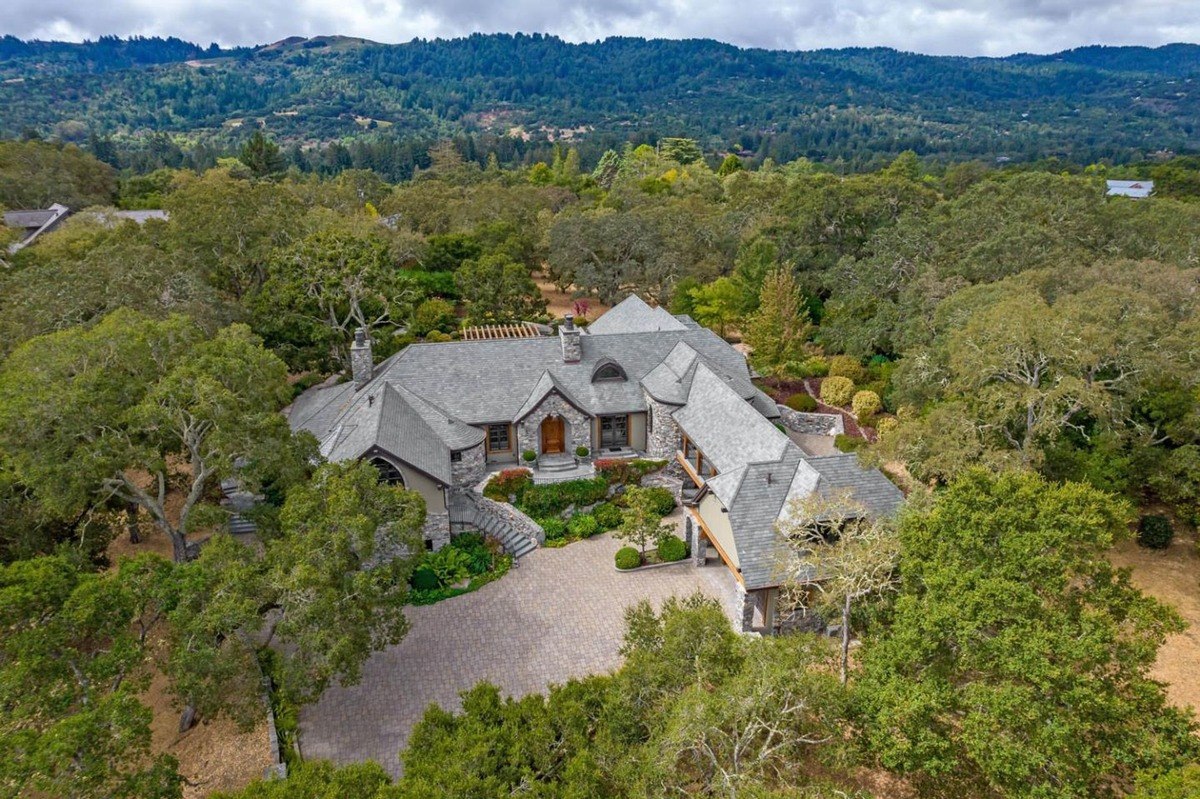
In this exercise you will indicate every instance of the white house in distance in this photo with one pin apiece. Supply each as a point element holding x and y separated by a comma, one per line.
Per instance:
<point>1137,189</point>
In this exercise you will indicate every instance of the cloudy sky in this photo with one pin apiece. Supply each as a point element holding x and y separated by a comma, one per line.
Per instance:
<point>965,27</point>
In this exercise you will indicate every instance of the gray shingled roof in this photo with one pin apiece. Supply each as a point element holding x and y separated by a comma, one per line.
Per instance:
<point>28,219</point>
<point>633,315</point>
<point>761,503</point>
<point>490,381</point>
<point>753,513</point>
<point>727,428</point>
<point>545,385</point>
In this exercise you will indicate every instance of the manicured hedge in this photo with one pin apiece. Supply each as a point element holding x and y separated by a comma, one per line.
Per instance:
<point>865,405</point>
<point>672,549</point>
<point>837,391</point>
<point>608,516</point>
<point>628,558</point>
<point>846,366</point>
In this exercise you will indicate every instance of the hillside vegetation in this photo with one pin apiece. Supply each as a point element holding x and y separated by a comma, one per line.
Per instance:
<point>858,105</point>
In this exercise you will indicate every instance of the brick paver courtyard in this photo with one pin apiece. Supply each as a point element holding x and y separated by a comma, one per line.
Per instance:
<point>557,616</point>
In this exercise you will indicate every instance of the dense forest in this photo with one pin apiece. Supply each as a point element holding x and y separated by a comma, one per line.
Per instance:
<point>1018,349</point>
<point>857,107</point>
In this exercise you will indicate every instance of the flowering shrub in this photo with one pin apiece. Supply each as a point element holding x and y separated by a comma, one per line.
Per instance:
<point>507,484</point>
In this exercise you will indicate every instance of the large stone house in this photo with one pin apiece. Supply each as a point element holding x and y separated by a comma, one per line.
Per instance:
<point>437,417</point>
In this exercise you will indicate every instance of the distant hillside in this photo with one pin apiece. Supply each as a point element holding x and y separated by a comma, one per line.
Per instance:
<point>1123,103</point>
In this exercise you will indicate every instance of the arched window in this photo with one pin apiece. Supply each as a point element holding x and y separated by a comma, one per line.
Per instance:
<point>608,370</point>
<point>388,472</point>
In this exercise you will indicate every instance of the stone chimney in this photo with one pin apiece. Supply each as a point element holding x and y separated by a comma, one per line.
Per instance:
<point>572,347</point>
<point>362,365</point>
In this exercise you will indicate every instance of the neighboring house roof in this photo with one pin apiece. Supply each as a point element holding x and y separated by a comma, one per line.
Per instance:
<point>1130,188</point>
<point>42,220</point>
<point>633,315</point>
<point>34,223</point>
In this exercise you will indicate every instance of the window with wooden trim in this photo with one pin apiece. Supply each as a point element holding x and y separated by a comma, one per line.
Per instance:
<point>498,438</point>
<point>614,431</point>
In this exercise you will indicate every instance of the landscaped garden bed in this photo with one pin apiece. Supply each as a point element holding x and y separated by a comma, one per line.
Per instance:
<point>577,509</point>
<point>467,563</point>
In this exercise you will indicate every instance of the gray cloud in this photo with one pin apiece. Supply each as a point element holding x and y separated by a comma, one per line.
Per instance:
<point>964,27</point>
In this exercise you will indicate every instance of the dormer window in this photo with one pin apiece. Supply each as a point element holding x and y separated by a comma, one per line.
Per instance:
<point>608,370</point>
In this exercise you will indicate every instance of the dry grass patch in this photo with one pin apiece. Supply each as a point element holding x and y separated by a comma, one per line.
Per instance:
<point>1172,576</point>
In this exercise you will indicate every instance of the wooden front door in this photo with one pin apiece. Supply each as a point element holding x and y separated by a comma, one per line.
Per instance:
<point>553,437</point>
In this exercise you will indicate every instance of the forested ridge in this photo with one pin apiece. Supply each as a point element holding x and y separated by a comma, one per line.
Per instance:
<point>1017,349</point>
<point>859,106</point>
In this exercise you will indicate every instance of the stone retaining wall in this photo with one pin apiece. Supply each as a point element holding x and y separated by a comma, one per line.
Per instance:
<point>505,513</point>
<point>821,424</point>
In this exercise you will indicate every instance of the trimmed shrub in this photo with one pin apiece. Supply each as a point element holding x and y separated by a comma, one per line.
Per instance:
<point>845,366</point>
<point>436,336</point>
<point>423,579</point>
<point>555,527</point>
<point>529,456</point>
<point>846,443</point>
<point>581,452</point>
<point>583,525</point>
<point>607,515</point>
<point>547,500</point>
<point>865,405</point>
<point>837,391</point>
<point>508,483</point>
<point>628,558</point>
<point>671,549</point>
<point>801,401</point>
<point>1155,532</point>
<point>662,501</point>
<point>886,425</point>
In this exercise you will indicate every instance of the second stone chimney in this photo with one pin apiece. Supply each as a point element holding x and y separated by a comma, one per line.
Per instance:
<point>362,364</point>
<point>572,347</point>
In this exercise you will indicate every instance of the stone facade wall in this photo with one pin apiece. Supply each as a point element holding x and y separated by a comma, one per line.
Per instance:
<point>578,426</point>
<point>745,605</point>
<point>362,363</point>
<point>437,529</point>
<point>662,433</point>
<point>572,343</point>
<point>821,424</point>
<point>470,469</point>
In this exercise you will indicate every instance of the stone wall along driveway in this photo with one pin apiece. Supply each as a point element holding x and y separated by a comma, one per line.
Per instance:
<point>557,616</point>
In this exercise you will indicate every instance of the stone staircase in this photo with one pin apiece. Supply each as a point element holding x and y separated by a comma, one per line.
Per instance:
<point>514,543</point>
<point>559,462</point>
<point>473,511</point>
<point>237,501</point>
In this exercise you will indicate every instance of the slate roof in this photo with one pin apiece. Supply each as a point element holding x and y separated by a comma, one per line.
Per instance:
<point>760,471</point>
<point>727,428</point>
<point>432,399</point>
<point>633,315</point>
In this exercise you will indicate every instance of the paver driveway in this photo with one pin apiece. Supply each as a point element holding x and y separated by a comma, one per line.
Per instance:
<point>557,616</point>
